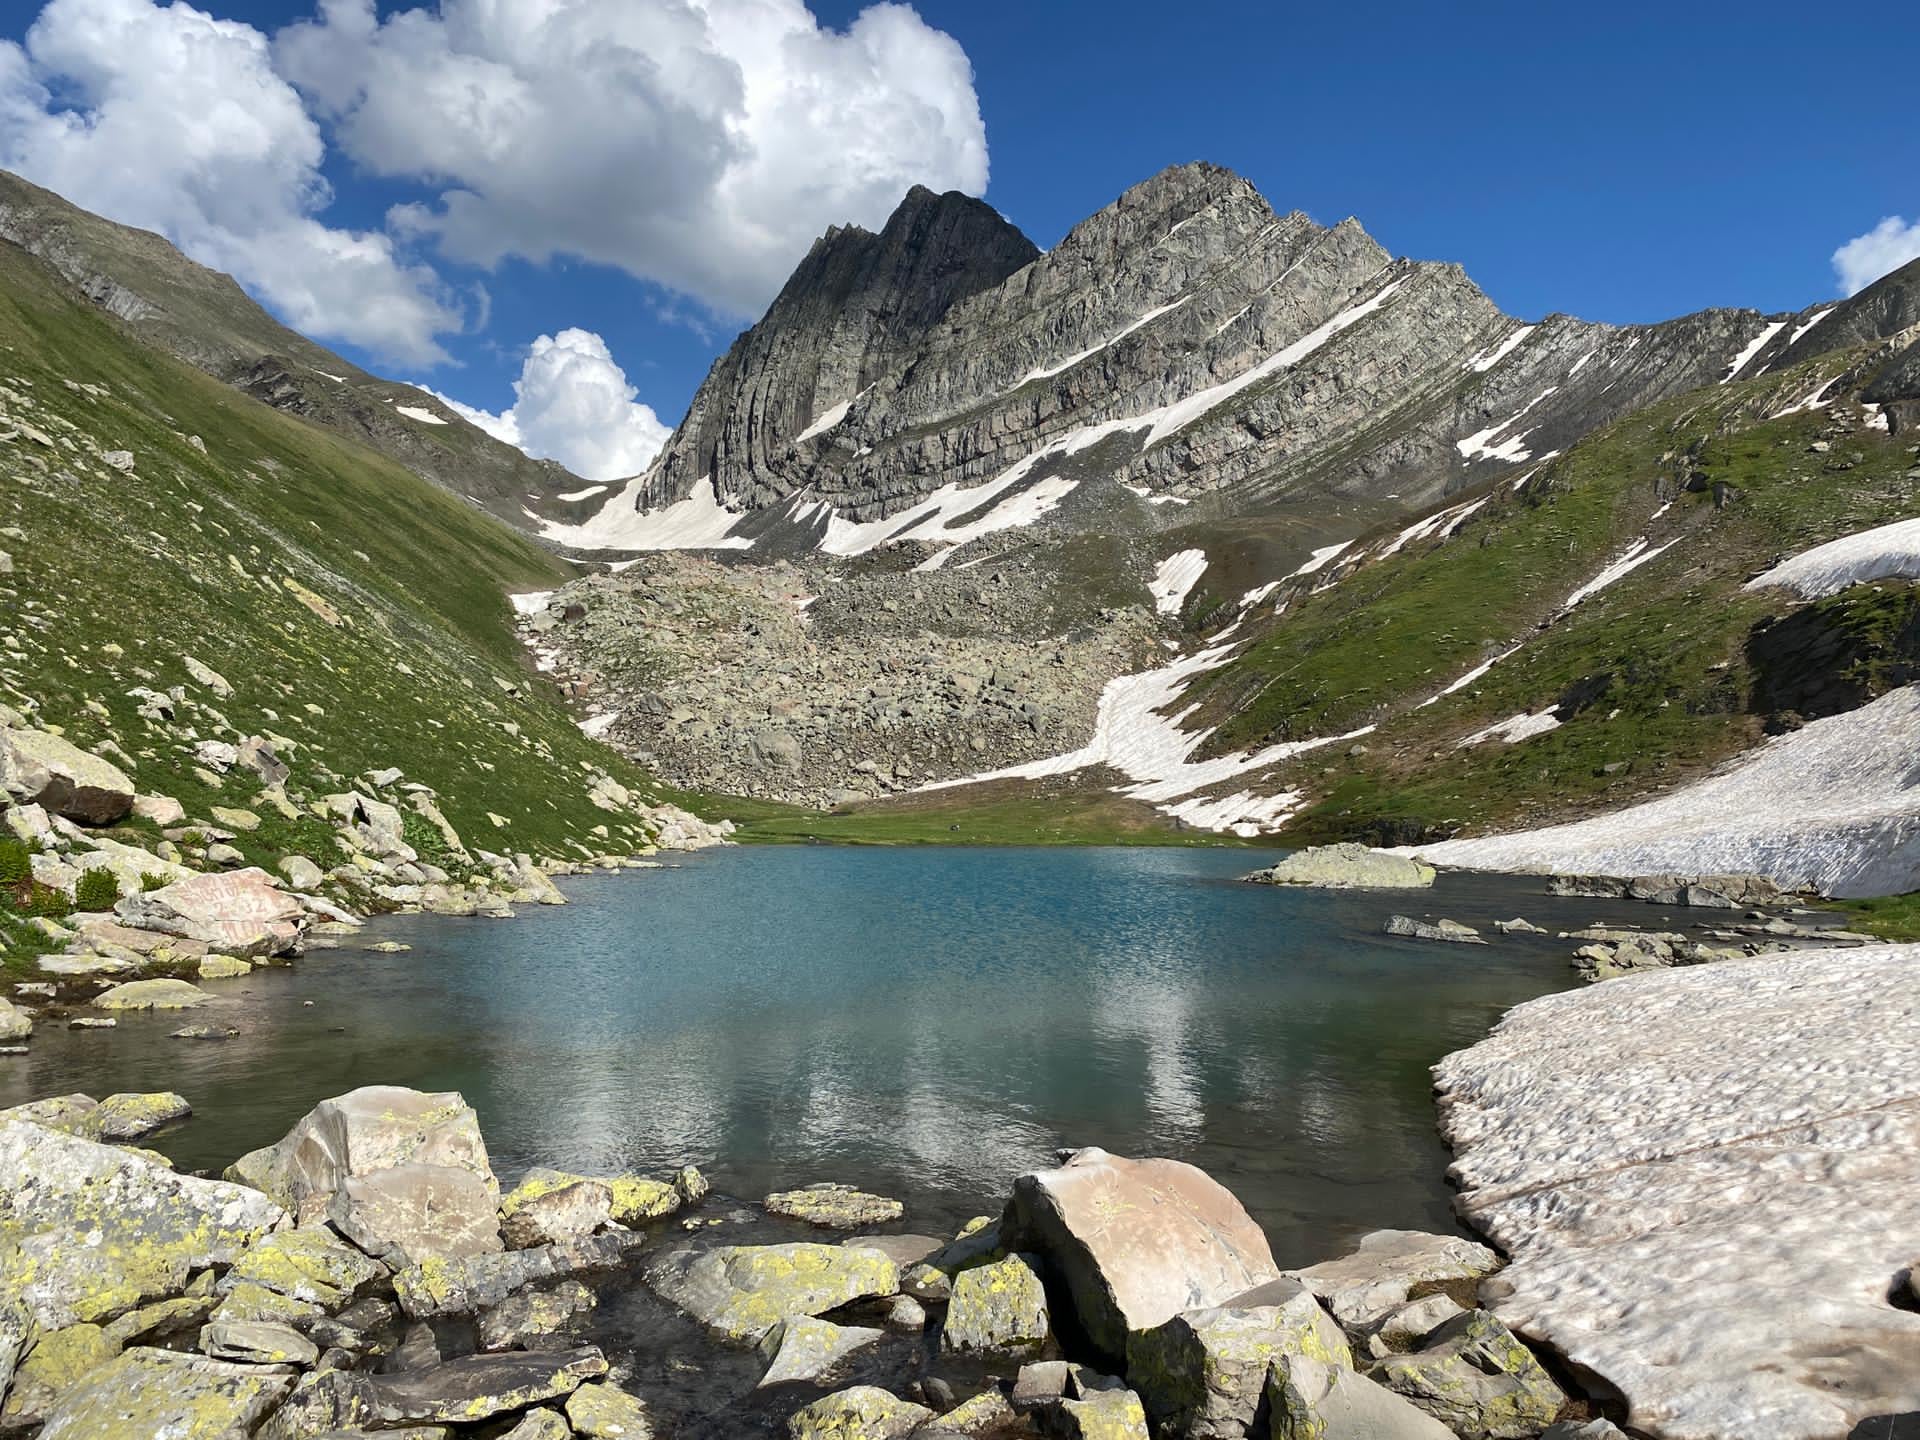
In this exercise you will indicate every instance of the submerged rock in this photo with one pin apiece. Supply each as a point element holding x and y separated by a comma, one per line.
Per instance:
<point>1136,1242</point>
<point>1348,867</point>
<point>838,1207</point>
<point>1406,925</point>
<point>742,1291</point>
<point>534,1315</point>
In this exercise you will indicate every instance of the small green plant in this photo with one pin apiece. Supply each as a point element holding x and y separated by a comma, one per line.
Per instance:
<point>16,863</point>
<point>149,882</point>
<point>97,890</point>
<point>44,902</point>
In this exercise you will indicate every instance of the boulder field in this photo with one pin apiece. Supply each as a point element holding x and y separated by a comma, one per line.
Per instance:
<point>369,1275</point>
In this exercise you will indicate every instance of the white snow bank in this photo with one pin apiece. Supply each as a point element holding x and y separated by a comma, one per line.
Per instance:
<point>530,602</point>
<point>587,494</point>
<point>1322,558</point>
<point>1636,555</point>
<point>1834,807</point>
<point>1134,734</point>
<point>595,727</point>
<point>828,418</point>
<point>1047,372</point>
<point>1482,446</point>
<point>414,412</point>
<point>1257,594</point>
<point>1817,400</point>
<point>699,522</point>
<point>1487,359</point>
<point>1704,1180</point>
<point>1887,552</point>
<point>1812,320</point>
<point>1514,729</point>
<point>1745,357</point>
<point>1174,578</point>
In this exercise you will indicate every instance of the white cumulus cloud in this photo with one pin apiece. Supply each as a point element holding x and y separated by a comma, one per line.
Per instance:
<point>572,403</point>
<point>164,117</point>
<point>700,144</point>
<point>1881,251</point>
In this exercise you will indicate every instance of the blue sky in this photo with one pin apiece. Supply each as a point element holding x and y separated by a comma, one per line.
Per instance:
<point>1627,162</point>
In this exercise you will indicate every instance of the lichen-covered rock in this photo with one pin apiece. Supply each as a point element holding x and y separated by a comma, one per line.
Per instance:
<point>308,1265</point>
<point>537,1425</point>
<point>478,1282</point>
<point>1202,1373</point>
<point>742,1291</point>
<point>89,1231</point>
<point>1584,1430</point>
<point>409,1214</point>
<point>1364,1287</point>
<point>256,1342</point>
<point>223,967</point>
<point>636,1199</point>
<point>1136,1242</point>
<point>862,1412</point>
<point>147,1394</point>
<point>1348,867</point>
<point>989,1410</point>
<point>1408,928</point>
<point>534,1315</point>
<point>37,768</point>
<point>153,995</point>
<point>370,1129</point>
<point>242,913</point>
<point>603,1411</point>
<point>835,1207</point>
<point>1477,1379</point>
<point>1308,1399</point>
<point>60,1360</point>
<point>128,1116</point>
<point>1106,1415</point>
<point>162,1319</point>
<point>550,1207</point>
<point>463,1391</point>
<point>999,1308</point>
<point>247,1302</point>
<point>802,1348</point>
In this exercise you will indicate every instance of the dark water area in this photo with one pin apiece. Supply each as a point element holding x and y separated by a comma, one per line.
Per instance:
<point>925,1022</point>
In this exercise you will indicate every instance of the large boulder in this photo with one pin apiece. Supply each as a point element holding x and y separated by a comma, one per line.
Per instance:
<point>552,1206</point>
<point>1348,867</point>
<point>37,768</point>
<point>1308,1399</point>
<point>378,1128</point>
<point>1136,1242</point>
<point>409,1214</point>
<point>242,913</point>
<point>1363,1288</point>
<point>1202,1373</point>
<point>742,1291</point>
<point>1475,1377</point>
<point>999,1308</point>
<point>148,1394</point>
<point>89,1231</point>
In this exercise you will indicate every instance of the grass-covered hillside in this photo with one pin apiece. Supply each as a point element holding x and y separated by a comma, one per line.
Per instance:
<point>359,615</point>
<point>1656,676</point>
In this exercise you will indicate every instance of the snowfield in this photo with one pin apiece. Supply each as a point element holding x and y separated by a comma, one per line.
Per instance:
<point>1704,1180</point>
<point>1834,808</point>
<point>1175,577</point>
<point>1888,552</point>
<point>699,522</point>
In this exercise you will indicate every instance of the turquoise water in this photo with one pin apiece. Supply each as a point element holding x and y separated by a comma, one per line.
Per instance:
<point>929,1022</point>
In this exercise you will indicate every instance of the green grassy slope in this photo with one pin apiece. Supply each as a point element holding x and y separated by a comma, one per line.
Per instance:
<point>357,611</point>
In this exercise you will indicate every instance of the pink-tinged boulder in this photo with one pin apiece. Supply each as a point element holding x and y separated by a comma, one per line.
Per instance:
<point>37,768</point>
<point>1136,1242</point>
<point>402,1140</point>
<point>242,913</point>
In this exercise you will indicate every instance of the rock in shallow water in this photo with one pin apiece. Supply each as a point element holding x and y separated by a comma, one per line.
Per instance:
<point>837,1207</point>
<point>999,1308</point>
<point>1411,929</point>
<point>1348,867</point>
<point>742,1291</point>
<point>862,1412</point>
<point>1135,1242</point>
<point>803,1348</point>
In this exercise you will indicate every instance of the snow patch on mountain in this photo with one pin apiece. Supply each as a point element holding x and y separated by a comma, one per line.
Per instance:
<point>1174,578</point>
<point>1886,552</point>
<point>1833,807</point>
<point>699,522</point>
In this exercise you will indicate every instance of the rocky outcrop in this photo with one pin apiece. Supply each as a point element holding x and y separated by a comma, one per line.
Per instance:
<point>38,768</point>
<point>239,913</point>
<point>1135,1242</point>
<point>1348,867</point>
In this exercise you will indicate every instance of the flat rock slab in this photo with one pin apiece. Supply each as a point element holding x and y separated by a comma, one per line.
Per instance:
<point>835,1207</point>
<point>479,1386</point>
<point>150,1393</point>
<point>1704,1180</point>
<point>742,1291</point>
<point>88,1231</point>
<point>153,995</point>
